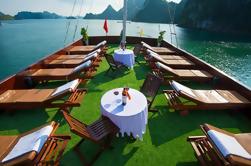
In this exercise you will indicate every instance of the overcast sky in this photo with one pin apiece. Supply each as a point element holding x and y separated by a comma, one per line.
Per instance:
<point>62,7</point>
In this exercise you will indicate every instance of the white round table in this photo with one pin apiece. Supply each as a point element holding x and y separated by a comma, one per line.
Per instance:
<point>130,118</point>
<point>125,56</point>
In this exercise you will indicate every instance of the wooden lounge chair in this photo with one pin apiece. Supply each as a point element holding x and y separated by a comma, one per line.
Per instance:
<point>204,99</point>
<point>100,132</point>
<point>158,50</point>
<point>86,49</point>
<point>114,65</point>
<point>36,147</point>
<point>219,147</point>
<point>150,89</point>
<point>77,56</point>
<point>65,95</point>
<point>84,71</point>
<point>174,63</point>
<point>167,74</point>
<point>168,56</point>
<point>72,62</point>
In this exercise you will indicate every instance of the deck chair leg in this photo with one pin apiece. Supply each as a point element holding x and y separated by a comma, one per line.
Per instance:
<point>153,110</point>
<point>82,157</point>
<point>108,71</point>
<point>79,153</point>
<point>108,141</point>
<point>101,149</point>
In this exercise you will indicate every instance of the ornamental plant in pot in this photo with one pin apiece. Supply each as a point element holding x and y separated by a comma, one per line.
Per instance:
<point>85,37</point>
<point>160,38</point>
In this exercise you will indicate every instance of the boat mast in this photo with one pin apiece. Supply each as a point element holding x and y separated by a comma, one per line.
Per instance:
<point>123,42</point>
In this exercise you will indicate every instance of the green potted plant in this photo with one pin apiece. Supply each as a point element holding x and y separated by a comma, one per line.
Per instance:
<point>160,38</point>
<point>85,37</point>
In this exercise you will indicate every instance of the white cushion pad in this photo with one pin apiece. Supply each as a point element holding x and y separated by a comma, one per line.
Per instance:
<point>179,87</point>
<point>93,52</point>
<point>162,66</point>
<point>146,45</point>
<point>31,142</point>
<point>100,44</point>
<point>70,86</point>
<point>94,55</point>
<point>82,66</point>
<point>228,145</point>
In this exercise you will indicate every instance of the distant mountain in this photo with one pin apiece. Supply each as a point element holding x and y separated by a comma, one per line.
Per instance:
<point>108,13</point>
<point>36,15</point>
<point>157,11</point>
<point>142,11</point>
<point>71,17</point>
<point>215,15</point>
<point>5,16</point>
<point>133,7</point>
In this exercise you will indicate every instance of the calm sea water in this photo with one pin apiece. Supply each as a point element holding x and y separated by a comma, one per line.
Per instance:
<point>24,42</point>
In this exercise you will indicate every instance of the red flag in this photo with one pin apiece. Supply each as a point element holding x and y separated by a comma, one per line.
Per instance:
<point>105,26</point>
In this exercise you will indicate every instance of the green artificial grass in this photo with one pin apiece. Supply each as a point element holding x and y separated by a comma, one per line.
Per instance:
<point>164,142</point>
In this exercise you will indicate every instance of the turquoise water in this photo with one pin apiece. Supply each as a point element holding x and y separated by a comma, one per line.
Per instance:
<point>24,42</point>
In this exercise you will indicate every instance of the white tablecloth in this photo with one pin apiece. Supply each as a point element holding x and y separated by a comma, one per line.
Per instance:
<point>130,118</point>
<point>125,56</point>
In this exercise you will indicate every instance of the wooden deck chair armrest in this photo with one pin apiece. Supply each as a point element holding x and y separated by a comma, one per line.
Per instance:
<point>189,138</point>
<point>53,151</point>
<point>172,97</point>
<point>61,136</point>
<point>159,74</point>
<point>55,127</point>
<point>168,91</point>
<point>76,97</point>
<point>156,70</point>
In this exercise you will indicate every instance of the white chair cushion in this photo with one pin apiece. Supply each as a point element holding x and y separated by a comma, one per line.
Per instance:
<point>228,145</point>
<point>162,66</point>
<point>100,44</point>
<point>31,142</point>
<point>93,52</point>
<point>82,66</point>
<point>155,55</point>
<point>94,55</point>
<point>70,86</point>
<point>150,52</point>
<point>146,45</point>
<point>179,87</point>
